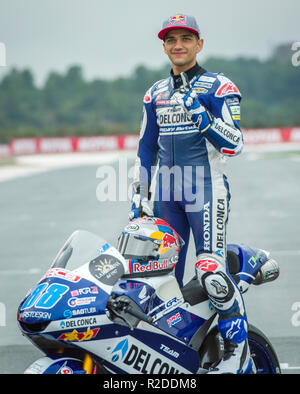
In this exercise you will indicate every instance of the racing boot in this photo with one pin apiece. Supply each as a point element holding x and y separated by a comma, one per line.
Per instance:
<point>227,300</point>
<point>236,356</point>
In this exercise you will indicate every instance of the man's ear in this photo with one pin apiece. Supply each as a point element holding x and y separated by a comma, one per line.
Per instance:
<point>164,46</point>
<point>200,44</point>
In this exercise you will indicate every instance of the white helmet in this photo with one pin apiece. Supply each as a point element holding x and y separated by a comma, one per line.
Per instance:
<point>150,245</point>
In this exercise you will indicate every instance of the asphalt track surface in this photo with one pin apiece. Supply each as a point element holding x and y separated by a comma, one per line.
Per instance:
<point>39,212</point>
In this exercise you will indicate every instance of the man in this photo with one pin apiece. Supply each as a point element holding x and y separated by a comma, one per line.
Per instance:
<point>190,123</point>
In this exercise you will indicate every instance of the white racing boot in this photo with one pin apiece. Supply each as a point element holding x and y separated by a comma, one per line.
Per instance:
<point>236,359</point>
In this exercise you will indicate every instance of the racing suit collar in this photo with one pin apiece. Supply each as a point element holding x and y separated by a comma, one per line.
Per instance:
<point>196,69</point>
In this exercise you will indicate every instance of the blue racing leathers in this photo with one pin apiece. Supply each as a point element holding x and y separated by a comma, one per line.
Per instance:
<point>185,165</point>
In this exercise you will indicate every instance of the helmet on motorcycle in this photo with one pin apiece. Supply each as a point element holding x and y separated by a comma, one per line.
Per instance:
<point>150,245</point>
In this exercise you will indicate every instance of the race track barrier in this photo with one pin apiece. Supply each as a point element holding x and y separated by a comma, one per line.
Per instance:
<point>41,145</point>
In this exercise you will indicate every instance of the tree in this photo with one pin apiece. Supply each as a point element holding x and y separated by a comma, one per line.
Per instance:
<point>67,104</point>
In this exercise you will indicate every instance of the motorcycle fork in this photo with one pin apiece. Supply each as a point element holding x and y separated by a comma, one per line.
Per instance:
<point>88,364</point>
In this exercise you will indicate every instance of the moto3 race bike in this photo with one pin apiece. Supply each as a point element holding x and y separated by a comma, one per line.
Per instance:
<point>89,315</point>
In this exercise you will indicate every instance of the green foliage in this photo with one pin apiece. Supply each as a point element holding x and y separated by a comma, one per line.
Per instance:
<point>68,105</point>
<point>270,90</point>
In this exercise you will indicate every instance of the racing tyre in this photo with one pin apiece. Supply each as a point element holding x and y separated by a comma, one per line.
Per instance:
<point>262,351</point>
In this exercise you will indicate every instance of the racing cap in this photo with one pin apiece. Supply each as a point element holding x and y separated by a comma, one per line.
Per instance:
<point>179,21</point>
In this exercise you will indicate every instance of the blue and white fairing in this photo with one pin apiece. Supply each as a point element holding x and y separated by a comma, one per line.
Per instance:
<point>161,298</point>
<point>78,284</point>
<point>56,365</point>
<point>163,346</point>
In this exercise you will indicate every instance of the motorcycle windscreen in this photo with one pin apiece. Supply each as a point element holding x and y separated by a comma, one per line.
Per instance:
<point>81,247</point>
<point>87,254</point>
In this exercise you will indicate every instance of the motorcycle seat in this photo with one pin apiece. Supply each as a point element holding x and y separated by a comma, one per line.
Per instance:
<point>193,292</point>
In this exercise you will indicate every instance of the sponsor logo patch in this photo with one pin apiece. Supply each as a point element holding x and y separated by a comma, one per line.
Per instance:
<point>174,319</point>
<point>226,89</point>
<point>207,265</point>
<point>107,269</point>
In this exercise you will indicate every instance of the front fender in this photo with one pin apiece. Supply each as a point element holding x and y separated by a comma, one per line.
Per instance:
<point>55,364</point>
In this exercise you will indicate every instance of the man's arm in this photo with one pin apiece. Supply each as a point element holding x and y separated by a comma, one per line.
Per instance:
<point>146,158</point>
<point>220,124</point>
<point>225,132</point>
<point>147,149</point>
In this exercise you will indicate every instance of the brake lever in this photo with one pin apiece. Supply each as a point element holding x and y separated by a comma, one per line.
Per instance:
<point>122,305</point>
<point>118,308</point>
<point>139,315</point>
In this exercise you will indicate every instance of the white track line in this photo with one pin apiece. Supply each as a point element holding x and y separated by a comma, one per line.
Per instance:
<point>286,366</point>
<point>39,163</point>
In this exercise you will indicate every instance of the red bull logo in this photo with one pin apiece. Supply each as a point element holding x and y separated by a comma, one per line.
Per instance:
<point>177,20</point>
<point>168,241</point>
<point>151,266</point>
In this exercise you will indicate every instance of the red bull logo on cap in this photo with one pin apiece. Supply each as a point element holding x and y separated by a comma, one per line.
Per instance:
<point>178,20</point>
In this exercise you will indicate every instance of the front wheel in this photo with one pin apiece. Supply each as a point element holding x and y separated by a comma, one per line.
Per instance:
<point>262,351</point>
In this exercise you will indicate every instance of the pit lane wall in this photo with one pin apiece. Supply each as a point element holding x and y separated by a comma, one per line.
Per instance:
<point>262,139</point>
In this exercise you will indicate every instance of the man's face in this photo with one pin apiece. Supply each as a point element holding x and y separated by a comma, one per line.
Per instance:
<point>182,47</point>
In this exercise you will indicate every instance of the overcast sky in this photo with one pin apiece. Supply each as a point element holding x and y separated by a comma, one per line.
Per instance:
<point>110,38</point>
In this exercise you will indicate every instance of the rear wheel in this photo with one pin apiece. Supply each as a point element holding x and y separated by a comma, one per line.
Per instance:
<point>262,351</point>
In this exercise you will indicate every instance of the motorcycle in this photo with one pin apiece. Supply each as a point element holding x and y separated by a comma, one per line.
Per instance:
<point>89,315</point>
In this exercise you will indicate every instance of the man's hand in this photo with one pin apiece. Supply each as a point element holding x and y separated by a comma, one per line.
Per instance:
<point>140,207</point>
<point>197,112</point>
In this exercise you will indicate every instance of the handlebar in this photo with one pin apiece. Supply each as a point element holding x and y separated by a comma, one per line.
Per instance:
<point>122,305</point>
<point>139,314</point>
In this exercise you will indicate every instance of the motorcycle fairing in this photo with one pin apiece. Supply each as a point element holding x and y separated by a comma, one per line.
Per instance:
<point>134,356</point>
<point>55,364</point>
<point>138,291</point>
<point>170,313</point>
<point>45,303</point>
<point>142,351</point>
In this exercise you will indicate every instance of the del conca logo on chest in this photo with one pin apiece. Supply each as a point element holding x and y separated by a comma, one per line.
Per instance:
<point>169,117</point>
